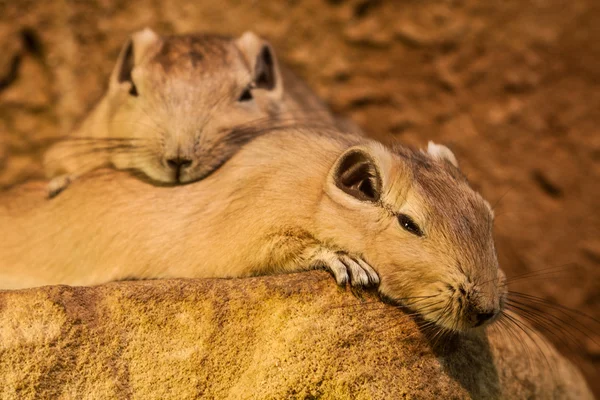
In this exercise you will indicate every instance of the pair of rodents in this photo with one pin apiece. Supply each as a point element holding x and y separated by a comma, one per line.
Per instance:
<point>286,199</point>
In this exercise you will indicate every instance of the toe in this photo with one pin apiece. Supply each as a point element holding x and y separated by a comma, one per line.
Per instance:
<point>372,275</point>
<point>339,271</point>
<point>358,275</point>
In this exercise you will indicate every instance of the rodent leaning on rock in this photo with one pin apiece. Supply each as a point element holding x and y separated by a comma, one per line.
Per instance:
<point>174,105</point>
<point>289,200</point>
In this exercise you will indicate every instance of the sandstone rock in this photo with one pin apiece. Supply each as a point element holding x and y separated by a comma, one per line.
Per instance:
<point>276,337</point>
<point>368,32</point>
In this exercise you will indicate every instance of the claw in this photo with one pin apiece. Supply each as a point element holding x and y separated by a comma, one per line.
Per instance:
<point>371,273</point>
<point>348,269</point>
<point>358,275</point>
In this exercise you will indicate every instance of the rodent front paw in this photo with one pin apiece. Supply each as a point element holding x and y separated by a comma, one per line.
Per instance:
<point>346,268</point>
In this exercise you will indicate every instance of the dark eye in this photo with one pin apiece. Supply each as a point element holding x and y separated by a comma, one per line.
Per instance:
<point>246,95</point>
<point>409,225</point>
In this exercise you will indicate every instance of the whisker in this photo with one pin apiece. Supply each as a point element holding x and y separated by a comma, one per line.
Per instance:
<point>501,197</point>
<point>511,329</point>
<point>524,328</point>
<point>549,270</point>
<point>552,304</point>
<point>552,319</point>
<point>546,325</point>
<point>379,302</point>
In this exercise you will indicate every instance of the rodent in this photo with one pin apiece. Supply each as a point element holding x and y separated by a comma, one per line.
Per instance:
<point>287,201</point>
<point>176,107</point>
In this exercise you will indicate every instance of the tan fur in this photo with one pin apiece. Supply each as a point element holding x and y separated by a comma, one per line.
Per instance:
<point>275,207</point>
<point>178,98</point>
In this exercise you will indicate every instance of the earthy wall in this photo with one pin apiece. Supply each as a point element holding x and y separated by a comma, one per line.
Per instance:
<point>511,86</point>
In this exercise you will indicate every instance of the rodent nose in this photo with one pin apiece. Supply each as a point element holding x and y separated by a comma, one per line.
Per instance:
<point>179,163</point>
<point>483,317</point>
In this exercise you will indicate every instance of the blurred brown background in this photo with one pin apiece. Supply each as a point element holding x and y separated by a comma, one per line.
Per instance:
<point>513,87</point>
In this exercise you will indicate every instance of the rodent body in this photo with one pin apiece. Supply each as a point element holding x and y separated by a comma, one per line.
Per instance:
<point>289,200</point>
<point>177,106</point>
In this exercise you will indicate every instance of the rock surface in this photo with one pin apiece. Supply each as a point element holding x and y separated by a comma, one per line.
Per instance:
<point>277,337</point>
<point>512,87</point>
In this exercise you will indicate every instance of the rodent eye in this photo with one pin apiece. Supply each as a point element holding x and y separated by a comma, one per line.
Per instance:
<point>246,94</point>
<point>409,225</point>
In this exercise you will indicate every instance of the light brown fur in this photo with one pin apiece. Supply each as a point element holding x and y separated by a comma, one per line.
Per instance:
<point>290,200</point>
<point>175,110</point>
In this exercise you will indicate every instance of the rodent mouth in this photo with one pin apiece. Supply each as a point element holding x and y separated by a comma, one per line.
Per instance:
<point>177,168</point>
<point>458,323</point>
<point>453,312</point>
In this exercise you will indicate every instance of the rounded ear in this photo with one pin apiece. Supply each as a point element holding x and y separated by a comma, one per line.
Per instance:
<point>441,153</point>
<point>263,64</point>
<point>134,50</point>
<point>357,173</point>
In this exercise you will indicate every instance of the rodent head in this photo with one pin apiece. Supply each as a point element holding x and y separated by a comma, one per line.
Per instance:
<point>181,99</point>
<point>422,227</point>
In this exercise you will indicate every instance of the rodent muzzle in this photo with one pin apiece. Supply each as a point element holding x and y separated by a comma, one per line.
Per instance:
<point>177,165</point>
<point>483,317</point>
<point>468,307</point>
<point>478,314</point>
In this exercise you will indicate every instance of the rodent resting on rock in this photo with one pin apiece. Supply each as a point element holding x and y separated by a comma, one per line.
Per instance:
<point>291,199</point>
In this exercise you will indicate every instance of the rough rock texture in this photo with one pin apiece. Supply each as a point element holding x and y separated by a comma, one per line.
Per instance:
<point>278,337</point>
<point>512,87</point>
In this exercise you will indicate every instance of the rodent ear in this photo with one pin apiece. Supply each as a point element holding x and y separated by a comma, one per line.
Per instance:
<point>356,173</point>
<point>441,153</point>
<point>263,63</point>
<point>134,50</point>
